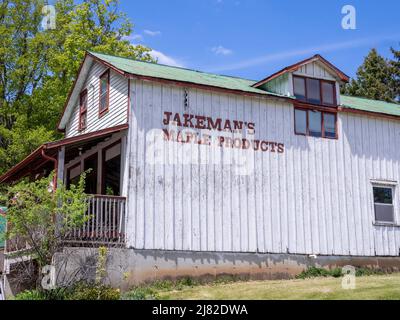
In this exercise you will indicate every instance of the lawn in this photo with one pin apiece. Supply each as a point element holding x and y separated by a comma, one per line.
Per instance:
<point>382,287</point>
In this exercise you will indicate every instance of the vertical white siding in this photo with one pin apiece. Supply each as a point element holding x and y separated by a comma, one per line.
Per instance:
<point>315,69</point>
<point>280,85</point>
<point>316,198</point>
<point>117,113</point>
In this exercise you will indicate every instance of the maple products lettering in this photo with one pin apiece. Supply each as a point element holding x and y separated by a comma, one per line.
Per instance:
<point>232,138</point>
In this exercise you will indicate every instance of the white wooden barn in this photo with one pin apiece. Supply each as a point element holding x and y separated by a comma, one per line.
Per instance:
<point>194,171</point>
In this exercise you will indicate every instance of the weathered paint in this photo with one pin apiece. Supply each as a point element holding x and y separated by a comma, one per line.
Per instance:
<point>128,267</point>
<point>280,85</point>
<point>316,198</point>
<point>317,70</point>
<point>117,113</point>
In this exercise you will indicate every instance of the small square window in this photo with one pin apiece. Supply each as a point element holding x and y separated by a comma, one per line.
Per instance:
<point>383,203</point>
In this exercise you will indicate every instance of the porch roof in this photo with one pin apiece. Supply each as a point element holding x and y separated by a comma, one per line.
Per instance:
<point>40,159</point>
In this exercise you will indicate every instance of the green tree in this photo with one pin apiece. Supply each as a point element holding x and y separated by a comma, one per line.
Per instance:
<point>38,67</point>
<point>374,79</point>
<point>41,216</point>
<point>395,65</point>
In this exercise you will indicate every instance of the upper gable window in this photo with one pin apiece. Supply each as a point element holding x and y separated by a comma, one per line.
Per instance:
<point>104,92</point>
<point>314,91</point>
<point>83,110</point>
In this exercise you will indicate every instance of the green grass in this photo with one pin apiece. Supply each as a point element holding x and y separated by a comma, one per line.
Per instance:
<point>381,287</point>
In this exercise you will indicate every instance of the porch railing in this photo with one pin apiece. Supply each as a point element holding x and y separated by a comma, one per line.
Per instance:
<point>104,224</point>
<point>105,221</point>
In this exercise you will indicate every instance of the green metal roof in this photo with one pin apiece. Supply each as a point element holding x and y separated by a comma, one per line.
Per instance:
<point>155,70</point>
<point>370,105</point>
<point>161,71</point>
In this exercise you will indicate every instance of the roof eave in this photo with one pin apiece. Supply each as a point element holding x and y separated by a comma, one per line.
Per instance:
<point>340,74</point>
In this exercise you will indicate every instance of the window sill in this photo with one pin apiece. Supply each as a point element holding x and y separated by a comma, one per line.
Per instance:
<point>310,105</point>
<point>102,113</point>
<point>386,224</point>
<point>315,137</point>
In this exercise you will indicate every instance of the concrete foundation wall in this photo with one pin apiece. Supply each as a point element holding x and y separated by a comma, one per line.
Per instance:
<point>129,267</point>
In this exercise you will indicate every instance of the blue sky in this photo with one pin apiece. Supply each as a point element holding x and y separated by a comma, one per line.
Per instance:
<point>254,38</point>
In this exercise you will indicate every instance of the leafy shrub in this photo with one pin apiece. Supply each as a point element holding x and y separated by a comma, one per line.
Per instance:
<point>141,293</point>
<point>149,291</point>
<point>55,294</point>
<point>85,291</point>
<point>81,291</point>
<point>30,295</point>
<point>313,272</point>
<point>361,272</point>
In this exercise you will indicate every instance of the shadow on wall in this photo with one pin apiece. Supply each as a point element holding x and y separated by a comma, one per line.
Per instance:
<point>129,267</point>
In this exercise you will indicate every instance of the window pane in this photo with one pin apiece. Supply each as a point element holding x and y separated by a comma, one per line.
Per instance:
<point>330,125</point>
<point>103,87</point>
<point>313,91</point>
<point>383,195</point>
<point>299,88</point>
<point>103,102</point>
<point>300,121</point>
<point>328,93</point>
<point>384,213</point>
<point>314,122</point>
<point>83,120</point>
<point>83,101</point>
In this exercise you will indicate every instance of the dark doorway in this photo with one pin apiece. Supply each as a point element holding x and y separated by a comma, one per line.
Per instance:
<point>112,170</point>
<point>91,163</point>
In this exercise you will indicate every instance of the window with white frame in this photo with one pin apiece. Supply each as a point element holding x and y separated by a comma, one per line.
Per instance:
<point>384,203</point>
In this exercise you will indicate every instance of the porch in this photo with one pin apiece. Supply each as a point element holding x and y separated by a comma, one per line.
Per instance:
<point>102,158</point>
<point>104,225</point>
<point>104,222</point>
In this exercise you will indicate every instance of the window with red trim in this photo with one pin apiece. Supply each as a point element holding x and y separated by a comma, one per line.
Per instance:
<point>104,95</point>
<point>315,123</point>
<point>315,91</point>
<point>83,110</point>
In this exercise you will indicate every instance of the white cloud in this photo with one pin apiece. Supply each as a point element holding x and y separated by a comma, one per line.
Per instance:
<point>152,33</point>
<point>302,52</point>
<point>134,37</point>
<point>221,51</point>
<point>164,59</point>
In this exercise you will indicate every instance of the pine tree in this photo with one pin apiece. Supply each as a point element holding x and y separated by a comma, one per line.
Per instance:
<point>374,79</point>
<point>395,65</point>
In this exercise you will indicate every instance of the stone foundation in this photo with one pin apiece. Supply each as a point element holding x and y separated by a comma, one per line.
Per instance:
<point>128,267</point>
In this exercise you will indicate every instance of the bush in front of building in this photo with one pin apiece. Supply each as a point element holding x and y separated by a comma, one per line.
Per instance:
<point>85,291</point>
<point>80,291</point>
<point>314,272</point>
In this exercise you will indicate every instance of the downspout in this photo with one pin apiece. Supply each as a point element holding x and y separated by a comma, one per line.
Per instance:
<point>47,157</point>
